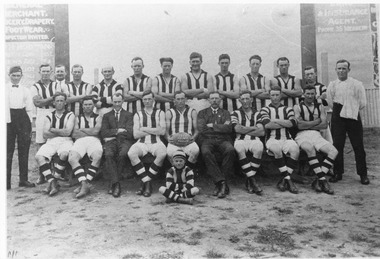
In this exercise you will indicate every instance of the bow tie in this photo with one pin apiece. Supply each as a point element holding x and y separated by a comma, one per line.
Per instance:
<point>14,85</point>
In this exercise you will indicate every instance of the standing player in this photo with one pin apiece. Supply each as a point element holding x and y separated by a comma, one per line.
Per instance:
<point>227,85</point>
<point>135,85</point>
<point>20,127</point>
<point>58,126</point>
<point>311,118</point>
<point>320,89</point>
<point>148,126</point>
<point>248,128</point>
<point>182,119</point>
<point>42,93</point>
<point>60,76</point>
<point>76,90</point>
<point>86,135</point>
<point>256,83</point>
<point>278,119</point>
<point>105,90</point>
<point>165,85</point>
<point>291,88</point>
<point>197,84</point>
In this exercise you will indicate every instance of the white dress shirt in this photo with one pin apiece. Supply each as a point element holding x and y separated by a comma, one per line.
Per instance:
<point>20,98</point>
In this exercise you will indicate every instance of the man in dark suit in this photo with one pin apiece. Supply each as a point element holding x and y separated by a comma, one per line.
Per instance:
<point>214,125</point>
<point>117,133</point>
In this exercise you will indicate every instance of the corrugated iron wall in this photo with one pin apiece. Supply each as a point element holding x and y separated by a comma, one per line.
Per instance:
<point>371,113</point>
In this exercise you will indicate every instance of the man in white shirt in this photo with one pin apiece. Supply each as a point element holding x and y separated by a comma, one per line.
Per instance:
<point>20,108</point>
<point>347,97</point>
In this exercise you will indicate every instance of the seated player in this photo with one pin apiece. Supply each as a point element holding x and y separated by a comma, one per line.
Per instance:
<point>58,126</point>
<point>86,133</point>
<point>311,118</point>
<point>179,181</point>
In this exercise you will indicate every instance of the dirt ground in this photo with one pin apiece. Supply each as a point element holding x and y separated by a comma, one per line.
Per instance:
<point>275,224</point>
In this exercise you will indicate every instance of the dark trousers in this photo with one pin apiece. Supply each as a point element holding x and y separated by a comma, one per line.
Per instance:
<point>116,154</point>
<point>354,129</point>
<point>211,148</point>
<point>21,128</point>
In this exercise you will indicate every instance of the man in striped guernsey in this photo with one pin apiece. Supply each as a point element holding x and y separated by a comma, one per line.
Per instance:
<point>227,85</point>
<point>248,128</point>
<point>58,126</point>
<point>60,76</point>
<point>256,83</point>
<point>42,93</point>
<point>105,90</point>
<point>86,135</point>
<point>277,120</point>
<point>179,181</point>
<point>320,89</point>
<point>164,85</point>
<point>148,127</point>
<point>117,133</point>
<point>290,85</point>
<point>311,118</point>
<point>182,118</point>
<point>197,83</point>
<point>135,85</point>
<point>76,90</point>
<point>214,125</point>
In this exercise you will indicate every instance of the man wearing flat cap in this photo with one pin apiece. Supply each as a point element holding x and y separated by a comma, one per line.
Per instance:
<point>20,105</point>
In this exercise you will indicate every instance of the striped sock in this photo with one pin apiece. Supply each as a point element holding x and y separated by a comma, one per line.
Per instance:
<point>314,164</point>
<point>60,167</point>
<point>280,163</point>
<point>91,172</point>
<point>153,170</point>
<point>255,164</point>
<point>79,173</point>
<point>291,164</point>
<point>45,171</point>
<point>327,164</point>
<point>246,167</point>
<point>168,193</point>
<point>140,171</point>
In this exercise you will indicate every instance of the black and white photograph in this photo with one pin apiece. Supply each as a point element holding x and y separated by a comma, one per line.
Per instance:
<point>165,130</point>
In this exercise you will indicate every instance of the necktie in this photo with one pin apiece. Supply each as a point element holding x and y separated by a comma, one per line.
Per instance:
<point>117,116</point>
<point>14,85</point>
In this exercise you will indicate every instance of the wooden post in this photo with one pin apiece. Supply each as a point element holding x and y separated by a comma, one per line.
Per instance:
<point>62,44</point>
<point>308,36</point>
<point>96,76</point>
<point>324,71</point>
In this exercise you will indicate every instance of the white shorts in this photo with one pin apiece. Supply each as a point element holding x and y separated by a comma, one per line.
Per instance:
<point>56,145</point>
<point>154,149</point>
<point>286,145</point>
<point>248,145</point>
<point>87,145</point>
<point>198,104</point>
<point>40,119</point>
<point>313,137</point>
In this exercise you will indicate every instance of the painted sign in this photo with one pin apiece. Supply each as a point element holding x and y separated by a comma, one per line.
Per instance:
<point>333,18</point>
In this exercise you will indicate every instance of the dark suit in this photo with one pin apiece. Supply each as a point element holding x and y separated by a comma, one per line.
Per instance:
<point>216,141</point>
<point>117,146</point>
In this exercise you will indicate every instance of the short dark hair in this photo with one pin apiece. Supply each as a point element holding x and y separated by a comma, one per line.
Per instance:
<point>255,57</point>
<point>77,66</point>
<point>282,59</point>
<point>309,87</point>
<point>147,92</point>
<point>213,92</point>
<point>60,65</point>
<point>45,65</point>
<point>245,92</point>
<point>195,55</point>
<point>179,92</point>
<point>310,67</point>
<point>89,97</point>
<point>137,58</point>
<point>275,88</point>
<point>162,60</point>
<point>343,61</point>
<point>15,69</point>
<point>59,94</point>
<point>224,56</point>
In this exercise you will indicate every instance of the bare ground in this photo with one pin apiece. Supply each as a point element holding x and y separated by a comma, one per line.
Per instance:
<point>276,224</point>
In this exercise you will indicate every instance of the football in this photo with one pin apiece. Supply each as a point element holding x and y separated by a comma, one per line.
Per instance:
<point>181,139</point>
